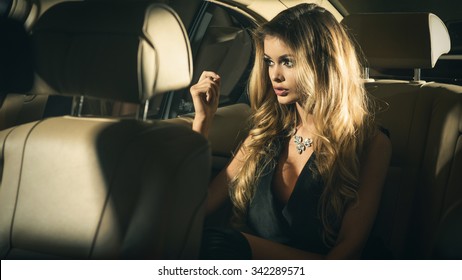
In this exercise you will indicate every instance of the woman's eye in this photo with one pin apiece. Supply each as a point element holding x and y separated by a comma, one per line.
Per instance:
<point>288,63</point>
<point>269,62</point>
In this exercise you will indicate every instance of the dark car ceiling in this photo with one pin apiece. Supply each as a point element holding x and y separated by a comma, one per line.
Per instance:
<point>447,10</point>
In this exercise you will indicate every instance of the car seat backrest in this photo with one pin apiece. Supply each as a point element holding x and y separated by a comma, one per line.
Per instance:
<point>229,129</point>
<point>425,123</point>
<point>100,188</point>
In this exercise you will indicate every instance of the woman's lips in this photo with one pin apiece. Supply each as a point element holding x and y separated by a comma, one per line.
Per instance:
<point>281,91</point>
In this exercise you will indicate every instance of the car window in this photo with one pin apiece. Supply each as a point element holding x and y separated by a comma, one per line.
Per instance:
<point>221,43</point>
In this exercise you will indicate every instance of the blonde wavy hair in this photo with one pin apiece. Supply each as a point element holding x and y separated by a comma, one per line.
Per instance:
<point>329,78</point>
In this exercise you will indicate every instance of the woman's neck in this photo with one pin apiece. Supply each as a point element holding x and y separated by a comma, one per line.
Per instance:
<point>305,120</point>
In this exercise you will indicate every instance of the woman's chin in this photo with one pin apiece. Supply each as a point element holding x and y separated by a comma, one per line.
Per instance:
<point>286,100</point>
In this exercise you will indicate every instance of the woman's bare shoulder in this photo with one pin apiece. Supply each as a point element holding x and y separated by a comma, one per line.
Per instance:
<point>380,142</point>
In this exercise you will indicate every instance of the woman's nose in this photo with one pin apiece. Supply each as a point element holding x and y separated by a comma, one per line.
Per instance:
<point>276,74</point>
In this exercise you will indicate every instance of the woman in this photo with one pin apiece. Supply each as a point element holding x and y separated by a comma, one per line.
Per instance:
<point>307,181</point>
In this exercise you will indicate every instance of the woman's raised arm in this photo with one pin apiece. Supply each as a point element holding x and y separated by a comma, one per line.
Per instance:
<point>205,95</point>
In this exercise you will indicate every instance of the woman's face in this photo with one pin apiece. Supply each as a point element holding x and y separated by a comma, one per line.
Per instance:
<point>281,69</point>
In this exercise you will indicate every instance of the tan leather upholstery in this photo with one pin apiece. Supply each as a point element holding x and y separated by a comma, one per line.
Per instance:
<point>101,188</point>
<point>80,188</point>
<point>155,39</point>
<point>401,40</point>
<point>425,123</point>
<point>229,128</point>
<point>21,108</point>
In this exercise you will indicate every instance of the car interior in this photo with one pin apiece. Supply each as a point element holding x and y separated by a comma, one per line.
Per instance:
<point>97,158</point>
<point>99,187</point>
<point>424,176</point>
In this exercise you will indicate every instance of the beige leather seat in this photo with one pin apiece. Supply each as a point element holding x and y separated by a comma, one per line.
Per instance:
<point>99,188</point>
<point>425,122</point>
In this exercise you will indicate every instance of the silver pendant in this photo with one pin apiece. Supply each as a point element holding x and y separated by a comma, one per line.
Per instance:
<point>301,144</point>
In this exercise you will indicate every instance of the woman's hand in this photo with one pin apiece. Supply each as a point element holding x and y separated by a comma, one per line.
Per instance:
<point>205,95</point>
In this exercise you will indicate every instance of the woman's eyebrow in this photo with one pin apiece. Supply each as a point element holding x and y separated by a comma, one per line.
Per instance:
<point>282,57</point>
<point>286,56</point>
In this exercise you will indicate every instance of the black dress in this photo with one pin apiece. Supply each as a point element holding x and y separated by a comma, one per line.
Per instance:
<point>296,224</point>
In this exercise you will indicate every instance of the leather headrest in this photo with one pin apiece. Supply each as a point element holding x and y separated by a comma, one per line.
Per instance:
<point>125,51</point>
<point>400,40</point>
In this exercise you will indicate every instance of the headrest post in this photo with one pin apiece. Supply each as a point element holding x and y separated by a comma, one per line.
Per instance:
<point>145,110</point>
<point>416,75</point>
<point>77,106</point>
<point>366,73</point>
<point>79,111</point>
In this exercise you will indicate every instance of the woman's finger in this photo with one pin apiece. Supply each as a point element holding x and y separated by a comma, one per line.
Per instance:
<point>209,75</point>
<point>204,88</point>
<point>205,85</point>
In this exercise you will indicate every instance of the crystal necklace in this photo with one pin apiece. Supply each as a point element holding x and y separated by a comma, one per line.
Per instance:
<point>300,143</point>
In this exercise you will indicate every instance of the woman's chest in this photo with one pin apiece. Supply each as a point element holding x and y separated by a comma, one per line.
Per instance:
<point>290,166</point>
